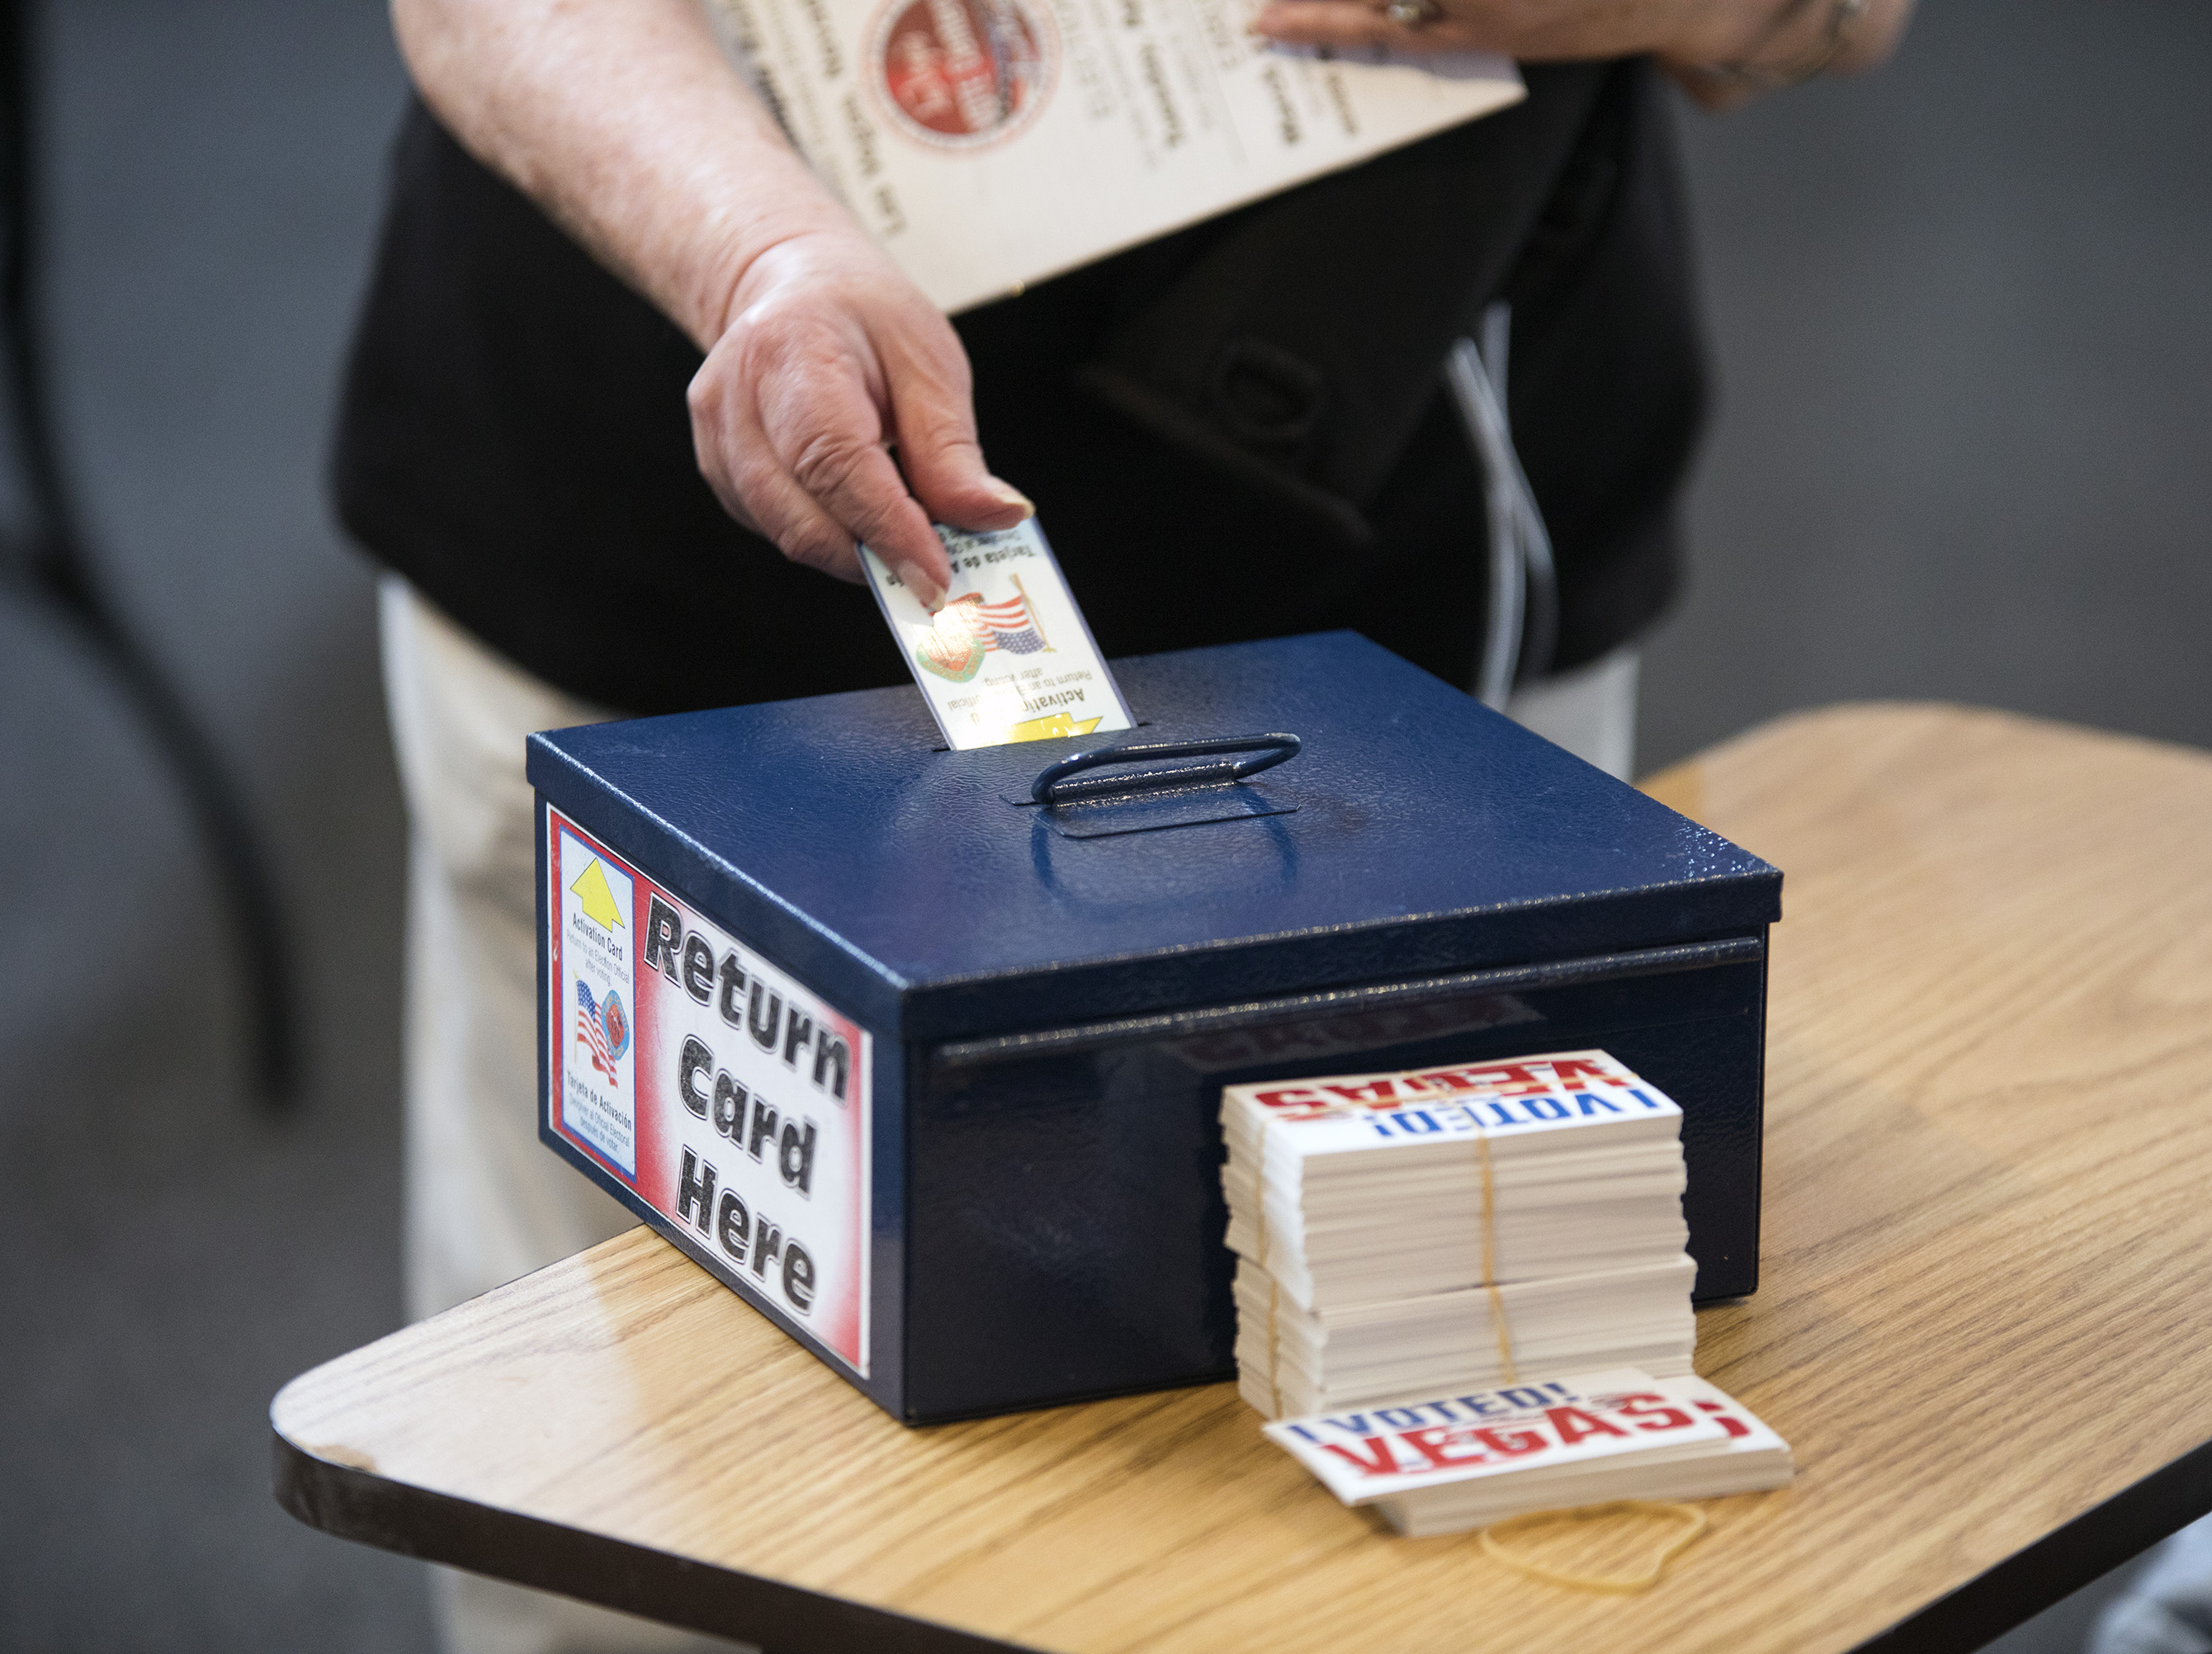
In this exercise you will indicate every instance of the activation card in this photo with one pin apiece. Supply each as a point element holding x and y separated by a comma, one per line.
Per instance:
<point>1007,656</point>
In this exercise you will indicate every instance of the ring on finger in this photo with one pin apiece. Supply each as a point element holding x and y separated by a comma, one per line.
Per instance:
<point>1412,13</point>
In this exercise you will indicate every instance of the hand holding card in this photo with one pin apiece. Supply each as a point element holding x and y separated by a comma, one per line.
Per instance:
<point>1007,656</point>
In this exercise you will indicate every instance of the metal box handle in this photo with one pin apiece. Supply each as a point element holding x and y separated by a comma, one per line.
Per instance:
<point>1053,786</point>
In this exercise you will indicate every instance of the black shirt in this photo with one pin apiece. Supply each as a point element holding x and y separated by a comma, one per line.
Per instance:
<point>1235,431</point>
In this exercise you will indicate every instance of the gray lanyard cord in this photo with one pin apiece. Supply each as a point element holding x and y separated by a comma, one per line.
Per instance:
<point>1523,618</point>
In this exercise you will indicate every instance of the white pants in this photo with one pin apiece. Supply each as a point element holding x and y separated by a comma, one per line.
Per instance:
<point>1590,710</point>
<point>486,1203</point>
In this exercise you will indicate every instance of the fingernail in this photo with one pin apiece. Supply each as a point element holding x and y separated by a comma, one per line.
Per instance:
<point>1007,493</point>
<point>927,591</point>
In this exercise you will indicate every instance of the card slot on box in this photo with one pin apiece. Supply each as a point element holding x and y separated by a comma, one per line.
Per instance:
<point>1148,811</point>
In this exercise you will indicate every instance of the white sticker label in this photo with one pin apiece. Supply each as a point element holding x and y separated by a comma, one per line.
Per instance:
<point>1007,656</point>
<point>731,1098</point>
<point>598,1085</point>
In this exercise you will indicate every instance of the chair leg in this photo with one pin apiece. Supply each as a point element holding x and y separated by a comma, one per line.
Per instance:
<point>51,564</point>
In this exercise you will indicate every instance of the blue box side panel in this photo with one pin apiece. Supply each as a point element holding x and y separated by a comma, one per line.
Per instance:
<point>1067,1215</point>
<point>886,1381</point>
<point>887,1221</point>
<point>1065,1231</point>
<point>1712,1067</point>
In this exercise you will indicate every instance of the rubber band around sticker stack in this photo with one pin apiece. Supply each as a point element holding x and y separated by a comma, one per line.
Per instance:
<point>1499,1325</point>
<point>1497,1321</point>
<point>1399,1233</point>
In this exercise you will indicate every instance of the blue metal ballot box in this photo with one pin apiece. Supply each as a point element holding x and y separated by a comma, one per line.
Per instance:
<point>924,1056</point>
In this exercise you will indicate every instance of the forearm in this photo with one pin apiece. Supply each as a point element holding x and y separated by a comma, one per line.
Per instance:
<point>627,123</point>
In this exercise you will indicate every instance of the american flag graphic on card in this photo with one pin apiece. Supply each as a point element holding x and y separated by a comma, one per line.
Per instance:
<point>1007,624</point>
<point>1007,656</point>
<point>604,1029</point>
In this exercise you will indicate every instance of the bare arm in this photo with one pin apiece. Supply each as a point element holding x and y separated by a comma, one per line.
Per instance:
<point>625,122</point>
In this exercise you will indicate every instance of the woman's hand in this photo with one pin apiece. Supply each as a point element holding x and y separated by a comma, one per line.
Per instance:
<point>626,121</point>
<point>1681,32</point>
<point>829,357</point>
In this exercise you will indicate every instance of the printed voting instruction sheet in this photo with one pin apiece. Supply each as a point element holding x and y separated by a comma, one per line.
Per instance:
<point>990,144</point>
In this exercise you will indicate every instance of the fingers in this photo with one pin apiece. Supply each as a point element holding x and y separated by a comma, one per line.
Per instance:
<point>933,415</point>
<point>793,448</point>
<point>824,426</point>
<point>739,464</point>
<point>833,358</point>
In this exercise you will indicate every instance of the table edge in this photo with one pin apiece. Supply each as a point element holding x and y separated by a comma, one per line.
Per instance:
<point>353,1503</point>
<point>2055,1566</point>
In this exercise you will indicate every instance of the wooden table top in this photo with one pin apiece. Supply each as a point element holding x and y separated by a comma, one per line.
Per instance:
<point>1984,1325</point>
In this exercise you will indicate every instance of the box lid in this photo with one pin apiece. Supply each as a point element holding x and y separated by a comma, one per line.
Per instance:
<point>921,891</point>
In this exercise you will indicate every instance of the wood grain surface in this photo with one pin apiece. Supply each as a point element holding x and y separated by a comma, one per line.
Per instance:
<point>1988,1223</point>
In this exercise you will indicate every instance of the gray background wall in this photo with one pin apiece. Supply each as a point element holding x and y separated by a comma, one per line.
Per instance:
<point>1965,439</point>
<point>1966,374</point>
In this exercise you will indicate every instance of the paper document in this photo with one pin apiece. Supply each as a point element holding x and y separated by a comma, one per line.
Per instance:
<point>1007,657</point>
<point>990,144</point>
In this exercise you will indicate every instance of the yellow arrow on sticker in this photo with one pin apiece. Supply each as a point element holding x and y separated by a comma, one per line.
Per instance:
<point>1045,728</point>
<point>591,886</point>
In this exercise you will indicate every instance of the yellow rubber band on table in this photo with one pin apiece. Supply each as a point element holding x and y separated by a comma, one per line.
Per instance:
<point>1694,1520</point>
<point>1274,1291</point>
